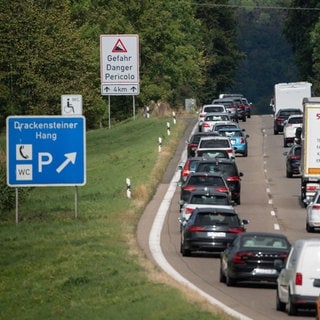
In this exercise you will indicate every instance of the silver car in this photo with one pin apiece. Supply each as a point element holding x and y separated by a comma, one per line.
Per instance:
<point>313,213</point>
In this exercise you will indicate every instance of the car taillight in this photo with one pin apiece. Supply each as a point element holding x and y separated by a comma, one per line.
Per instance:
<point>206,125</point>
<point>189,210</point>
<point>283,256</point>
<point>299,279</point>
<point>236,230</point>
<point>279,120</point>
<point>242,140</point>
<point>192,145</point>
<point>316,207</point>
<point>312,187</point>
<point>294,157</point>
<point>202,115</point>
<point>189,188</point>
<point>229,150</point>
<point>185,173</point>
<point>196,228</point>
<point>222,189</point>
<point>233,178</point>
<point>240,257</point>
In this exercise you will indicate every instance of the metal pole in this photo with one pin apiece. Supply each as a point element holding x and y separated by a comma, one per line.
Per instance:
<point>17,205</point>
<point>134,107</point>
<point>109,112</point>
<point>76,202</point>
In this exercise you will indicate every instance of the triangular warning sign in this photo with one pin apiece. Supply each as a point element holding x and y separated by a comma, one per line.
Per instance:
<point>119,47</point>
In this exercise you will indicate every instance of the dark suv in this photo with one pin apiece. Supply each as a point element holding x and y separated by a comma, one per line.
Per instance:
<point>229,170</point>
<point>281,116</point>
<point>231,107</point>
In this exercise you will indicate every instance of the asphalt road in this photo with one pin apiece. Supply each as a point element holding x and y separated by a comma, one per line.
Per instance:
<point>269,200</point>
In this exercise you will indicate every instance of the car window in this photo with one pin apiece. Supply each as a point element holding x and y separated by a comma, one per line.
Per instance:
<point>264,241</point>
<point>297,151</point>
<point>214,154</point>
<point>213,117</point>
<point>230,133</point>
<point>215,143</point>
<point>210,218</point>
<point>207,181</point>
<point>214,109</point>
<point>227,169</point>
<point>209,199</point>
<point>295,120</point>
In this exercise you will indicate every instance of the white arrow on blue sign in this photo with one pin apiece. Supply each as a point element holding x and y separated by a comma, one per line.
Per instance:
<point>46,151</point>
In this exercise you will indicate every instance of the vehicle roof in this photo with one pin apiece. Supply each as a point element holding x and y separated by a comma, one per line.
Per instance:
<point>213,105</point>
<point>220,160</point>
<point>207,174</point>
<point>214,138</point>
<point>306,242</point>
<point>211,192</point>
<point>231,129</point>
<point>263,233</point>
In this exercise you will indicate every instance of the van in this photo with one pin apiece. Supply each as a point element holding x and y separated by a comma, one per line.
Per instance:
<point>298,284</point>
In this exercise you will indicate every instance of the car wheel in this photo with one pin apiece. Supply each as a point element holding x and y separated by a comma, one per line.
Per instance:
<point>185,252</point>
<point>291,307</point>
<point>244,119</point>
<point>280,306</point>
<point>285,143</point>
<point>230,282</point>
<point>275,131</point>
<point>309,228</point>
<point>245,153</point>
<point>238,201</point>
<point>289,174</point>
<point>222,277</point>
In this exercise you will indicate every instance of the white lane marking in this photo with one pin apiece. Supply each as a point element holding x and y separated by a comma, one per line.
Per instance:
<point>155,248</point>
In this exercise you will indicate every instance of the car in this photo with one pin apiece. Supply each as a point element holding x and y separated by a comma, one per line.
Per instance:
<point>229,170</point>
<point>211,118</point>
<point>201,199</point>
<point>188,167</point>
<point>293,160</point>
<point>299,279</point>
<point>203,181</point>
<point>209,108</point>
<point>215,142</point>
<point>313,213</point>
<point>251,257</point>
<point>318,308</point>
<point>193,142</point>
<point>281,116</point>
<point>239,140</point>
<point>224,124</point>
<point>230,105</point>
<point>248,106</point>
<point>289,129</point>
<point>210,229</point>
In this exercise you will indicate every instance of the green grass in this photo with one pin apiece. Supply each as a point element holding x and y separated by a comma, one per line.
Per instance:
<point>53,266</point>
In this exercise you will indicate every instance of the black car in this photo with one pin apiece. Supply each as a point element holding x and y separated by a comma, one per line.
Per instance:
<point>210,229</point>
<point>203,181</point>
<point>229,170</point>
<point>192,143</point>
<point>293,160</point>
<point>281,116</point>
<point>251,257</point>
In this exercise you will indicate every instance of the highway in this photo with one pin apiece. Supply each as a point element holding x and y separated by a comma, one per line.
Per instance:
<point>269,200</point>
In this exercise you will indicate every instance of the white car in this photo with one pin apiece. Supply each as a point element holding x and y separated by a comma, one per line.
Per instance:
<point>313,213</point>
<point>290,126</point>
<point>299,279</point>
<point>214,143</point>
<point>211,118</point>
<point>209,108</point>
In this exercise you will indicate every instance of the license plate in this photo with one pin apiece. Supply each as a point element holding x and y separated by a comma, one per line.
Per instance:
<point>216,234</point>
<point>265,271</point>
<point>233,141</point>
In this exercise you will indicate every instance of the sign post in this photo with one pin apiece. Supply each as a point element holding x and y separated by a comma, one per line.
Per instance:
<point>119,65</point>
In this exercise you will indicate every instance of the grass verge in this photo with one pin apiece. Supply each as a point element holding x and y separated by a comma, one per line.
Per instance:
<point>53,266</point>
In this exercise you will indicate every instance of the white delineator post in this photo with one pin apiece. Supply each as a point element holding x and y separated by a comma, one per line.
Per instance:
<point>159,144</point>
<point>128,183</point>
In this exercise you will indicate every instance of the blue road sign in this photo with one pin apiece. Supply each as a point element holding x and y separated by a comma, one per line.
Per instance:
<point>46,151</point>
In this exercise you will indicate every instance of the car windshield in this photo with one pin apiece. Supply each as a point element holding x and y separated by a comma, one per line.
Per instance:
<point>262,241</point>
<point>209,199</point>
<point>295,120</point>
<point>214,109</point>
<point>227,169</point>
<point>217,117</point>
<point>212,181</point>
<point>211,218</point>
<point>230,133</point>
<point>214,143</point>
<point>297,152</point>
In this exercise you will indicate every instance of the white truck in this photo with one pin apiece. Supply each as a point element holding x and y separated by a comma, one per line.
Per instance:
<point>290,95</point>
<point>310,152</point>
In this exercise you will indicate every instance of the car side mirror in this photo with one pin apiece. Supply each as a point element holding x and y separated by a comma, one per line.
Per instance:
<point>245,221</point>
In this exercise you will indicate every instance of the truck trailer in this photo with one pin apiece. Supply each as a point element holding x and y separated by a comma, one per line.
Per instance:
<point>290,95</point>
<point>310,152</point>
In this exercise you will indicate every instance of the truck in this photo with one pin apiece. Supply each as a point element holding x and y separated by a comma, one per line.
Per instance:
<point>310,149</point>
<point>290,95</point>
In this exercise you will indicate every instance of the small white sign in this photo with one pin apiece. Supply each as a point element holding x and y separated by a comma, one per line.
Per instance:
<point>119,59</point>
<point>71,104</point>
